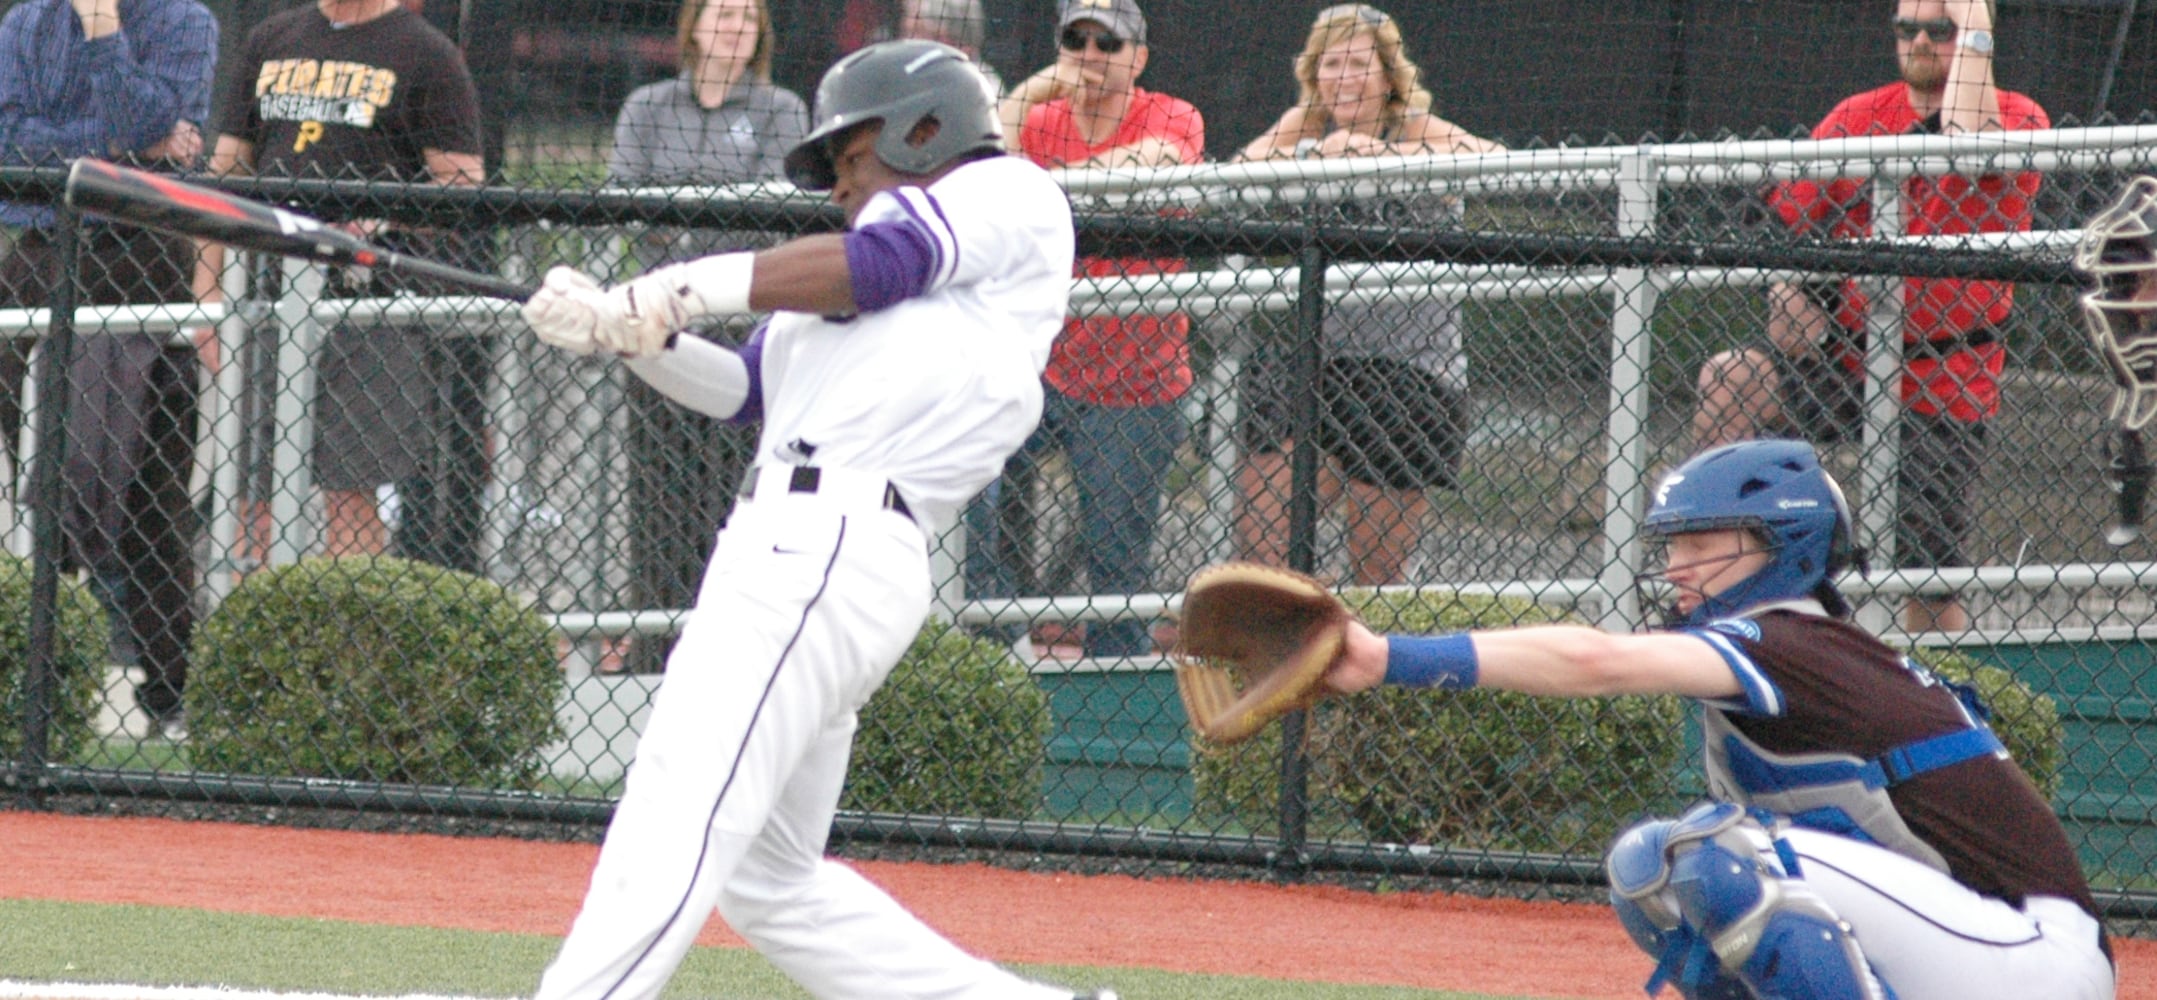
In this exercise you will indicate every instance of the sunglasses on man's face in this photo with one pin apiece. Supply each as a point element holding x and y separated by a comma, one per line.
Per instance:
<point>1939,29</point>
<point>1074,40</point>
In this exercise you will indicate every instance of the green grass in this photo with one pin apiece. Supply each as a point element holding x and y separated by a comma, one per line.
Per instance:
<point>82,942</point>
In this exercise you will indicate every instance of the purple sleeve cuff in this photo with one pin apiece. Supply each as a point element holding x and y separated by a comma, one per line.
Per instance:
<point>890,262</point>
<point>751,353</point>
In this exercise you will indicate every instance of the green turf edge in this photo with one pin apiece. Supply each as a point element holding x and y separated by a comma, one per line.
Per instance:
<point>48,941</point>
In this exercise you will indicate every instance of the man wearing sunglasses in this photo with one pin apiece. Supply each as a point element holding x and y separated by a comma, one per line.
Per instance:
<point>1806,380</point>
<point>1113,380</point>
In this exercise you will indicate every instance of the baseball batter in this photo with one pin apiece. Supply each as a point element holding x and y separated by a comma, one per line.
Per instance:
<point>901,369</point>
<point>1868,837</point>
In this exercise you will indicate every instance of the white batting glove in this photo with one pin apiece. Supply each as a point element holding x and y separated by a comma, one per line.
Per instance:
<point>645,313</point>
<point>642,315</point>
<point>566,311</point>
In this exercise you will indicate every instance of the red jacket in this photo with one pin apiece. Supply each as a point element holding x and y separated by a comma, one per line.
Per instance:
<point>1964,384</point>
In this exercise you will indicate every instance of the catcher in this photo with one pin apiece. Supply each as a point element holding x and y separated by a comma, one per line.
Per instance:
<point>1867,835</point>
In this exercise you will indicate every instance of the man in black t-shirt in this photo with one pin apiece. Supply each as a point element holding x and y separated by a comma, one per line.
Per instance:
<point>1867,831</point>
<point>356,90</point>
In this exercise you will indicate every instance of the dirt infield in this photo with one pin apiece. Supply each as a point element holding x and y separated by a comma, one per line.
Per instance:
<point>1318,933</point>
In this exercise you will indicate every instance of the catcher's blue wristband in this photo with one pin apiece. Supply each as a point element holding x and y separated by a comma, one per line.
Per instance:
<point>1441,661</point>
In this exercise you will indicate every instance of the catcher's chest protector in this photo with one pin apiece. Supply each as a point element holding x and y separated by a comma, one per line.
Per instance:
<point>1740,770</point>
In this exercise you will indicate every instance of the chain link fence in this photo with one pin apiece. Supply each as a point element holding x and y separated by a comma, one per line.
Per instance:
<point>1445,385</point>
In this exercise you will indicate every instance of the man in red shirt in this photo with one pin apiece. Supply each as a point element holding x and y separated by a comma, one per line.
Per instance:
<point>1806,381</point>
<point>1113,380</point>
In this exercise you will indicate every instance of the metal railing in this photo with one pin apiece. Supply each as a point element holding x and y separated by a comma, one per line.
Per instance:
<point>1637,174</point>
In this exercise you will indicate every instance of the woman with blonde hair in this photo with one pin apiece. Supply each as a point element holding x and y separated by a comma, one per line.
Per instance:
<point>1358,94</point>
<point>1394,383</point>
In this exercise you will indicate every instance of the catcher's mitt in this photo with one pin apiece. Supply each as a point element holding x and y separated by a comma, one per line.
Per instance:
<point>1277,630</point>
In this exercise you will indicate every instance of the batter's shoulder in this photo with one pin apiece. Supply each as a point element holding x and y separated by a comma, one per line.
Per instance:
<point>1004,191</point>
<point>1005,170</point>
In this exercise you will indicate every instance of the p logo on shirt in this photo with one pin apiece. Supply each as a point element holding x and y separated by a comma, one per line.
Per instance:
<point>309,133</point>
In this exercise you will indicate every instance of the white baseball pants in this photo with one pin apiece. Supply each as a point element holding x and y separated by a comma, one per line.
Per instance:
<point>809,601</point>
<point>1931,938</point>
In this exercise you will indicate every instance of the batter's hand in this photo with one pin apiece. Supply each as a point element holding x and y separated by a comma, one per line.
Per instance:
<point>643,315</point>
<point>639,317</point>
<point>566,311</point>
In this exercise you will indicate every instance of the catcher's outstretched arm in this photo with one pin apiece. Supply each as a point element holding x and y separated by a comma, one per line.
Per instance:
<point>1553,660</point>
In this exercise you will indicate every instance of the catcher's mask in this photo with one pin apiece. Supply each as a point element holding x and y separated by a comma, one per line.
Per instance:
<point>2119,251</point>
<point>1777,490</point>
<point>901,84</point>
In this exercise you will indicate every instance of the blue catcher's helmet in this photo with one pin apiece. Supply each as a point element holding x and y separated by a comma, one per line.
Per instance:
<point>1776,489</point>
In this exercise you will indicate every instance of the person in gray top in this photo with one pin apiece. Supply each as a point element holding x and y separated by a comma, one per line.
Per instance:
<point>1394,384</point>
<point>721,121</point>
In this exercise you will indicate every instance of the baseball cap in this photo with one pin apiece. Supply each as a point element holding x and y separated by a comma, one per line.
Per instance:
<point>1120,17</point>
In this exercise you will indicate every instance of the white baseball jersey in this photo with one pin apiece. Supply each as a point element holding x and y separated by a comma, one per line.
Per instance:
<point>936,391</point>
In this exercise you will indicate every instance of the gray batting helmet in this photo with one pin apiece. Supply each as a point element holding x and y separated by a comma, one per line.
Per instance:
<point>902,84</point>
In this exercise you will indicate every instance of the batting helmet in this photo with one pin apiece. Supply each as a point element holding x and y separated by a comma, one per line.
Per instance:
<point>1776,489</point>
<point>2119,250</point>
<point>901,84</point>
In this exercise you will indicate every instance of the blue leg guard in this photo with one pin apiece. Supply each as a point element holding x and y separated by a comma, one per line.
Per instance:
<point>1708,894</point>
<point>1639,871</point>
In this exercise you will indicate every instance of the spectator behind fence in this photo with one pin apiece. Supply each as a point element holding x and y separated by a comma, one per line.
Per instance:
<point>1113,381</point>
<point>1865,834</point>
<point>957,23</point>
<point>406,113</point>
<point>720,121</point>
<point>1394,383</point>
<point>128,80</point>
<point>1807,379</point>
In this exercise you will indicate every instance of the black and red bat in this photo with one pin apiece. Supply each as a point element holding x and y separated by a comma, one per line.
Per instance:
<point>154,201</point>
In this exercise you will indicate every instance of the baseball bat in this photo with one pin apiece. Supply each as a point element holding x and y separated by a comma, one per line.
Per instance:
<point>168,205</point>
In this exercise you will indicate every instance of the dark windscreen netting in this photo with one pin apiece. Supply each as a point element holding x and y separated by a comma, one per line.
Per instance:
<point>1527,73</point>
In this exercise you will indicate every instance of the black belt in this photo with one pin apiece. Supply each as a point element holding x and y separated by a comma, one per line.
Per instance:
<point>806,479</point>
<point>1939,349</point>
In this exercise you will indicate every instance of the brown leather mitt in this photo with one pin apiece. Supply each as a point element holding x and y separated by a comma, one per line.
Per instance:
<point>1256,642</point>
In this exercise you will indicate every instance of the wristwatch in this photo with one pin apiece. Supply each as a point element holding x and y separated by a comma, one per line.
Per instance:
<point>1978,41</point>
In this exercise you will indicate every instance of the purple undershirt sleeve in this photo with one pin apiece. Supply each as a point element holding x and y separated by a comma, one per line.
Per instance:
<point>751,353</point>
<point>890,263</point>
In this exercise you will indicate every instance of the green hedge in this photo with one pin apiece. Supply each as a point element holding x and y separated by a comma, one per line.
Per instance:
<point>79,647</point>
<point>371,668</point>
<point>957,730</point>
